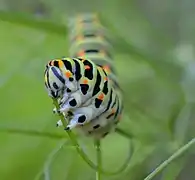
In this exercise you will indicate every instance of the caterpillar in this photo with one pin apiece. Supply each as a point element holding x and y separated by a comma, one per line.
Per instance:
<point>85,83</point>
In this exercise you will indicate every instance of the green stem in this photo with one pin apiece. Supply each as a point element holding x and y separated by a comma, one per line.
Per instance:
<point>123,133</point>
<point>31,21</point>
<point>99,159</point>
<point>85,157</point>
<point>178,153</point>
<point>30,132</point>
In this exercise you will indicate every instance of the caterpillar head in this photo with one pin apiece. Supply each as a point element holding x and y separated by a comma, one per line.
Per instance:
<point>54,81</point>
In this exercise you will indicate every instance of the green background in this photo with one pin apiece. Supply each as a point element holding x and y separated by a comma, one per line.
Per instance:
<point>154,58</point>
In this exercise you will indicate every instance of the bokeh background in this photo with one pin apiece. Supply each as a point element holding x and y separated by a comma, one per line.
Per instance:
<point>154,56</point>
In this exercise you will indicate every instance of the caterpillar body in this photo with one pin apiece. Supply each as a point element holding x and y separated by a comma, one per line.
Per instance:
<point>85,83</point>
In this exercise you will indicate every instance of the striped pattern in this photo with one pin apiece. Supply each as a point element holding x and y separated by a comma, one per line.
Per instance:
<point>89,90</point>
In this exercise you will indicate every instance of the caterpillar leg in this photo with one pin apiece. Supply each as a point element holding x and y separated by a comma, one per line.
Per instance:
<point>55,111</point>
<point>59,123</point>
<point>84,115</point>
<point>67,118</point>
<point>74,101</point>
<point>81,116</point>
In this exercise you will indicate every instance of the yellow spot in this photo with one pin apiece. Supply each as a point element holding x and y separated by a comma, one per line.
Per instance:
<point>46,79</point>
<point>61,64</point>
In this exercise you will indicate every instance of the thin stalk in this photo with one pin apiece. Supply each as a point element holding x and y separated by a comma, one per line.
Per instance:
<point>99,159</point>
<point>123,133</point>
<point>30,132</point>
<point>83,154</point>
<point>176,155</point>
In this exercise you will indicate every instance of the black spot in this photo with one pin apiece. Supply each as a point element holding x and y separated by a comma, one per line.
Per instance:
<point>88,72</point>
<point>67,128</point>
<point>67,65</point>
<point>56,63</point>
<point>50,62</point>
<point>109,116</point>
<point>105,88</point>
<point>82,119</point>
<point>71,79</point>
<point>84,88</point>
<point>109,102</point>
<point>105,134</point>
<point>55,86</point>
<point>114,102</point>
<point>70,113</point>
<point>98,102</point>
<point>48,79</point>
<point>92,51</point>
<point>53,94</point>
<point>77,70</point>
<point>89,35</point>
<point>96,126</point>
<point>104,71</point>
<point>97,51</point>
<point>80,59</point>
<point>117,111</point>
<point>89,132</point>
<point>97,84</point>
<point>73,102</point>
<point>68,90</point>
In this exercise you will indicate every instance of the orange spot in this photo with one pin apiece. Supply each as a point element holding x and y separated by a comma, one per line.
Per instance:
<point>101,96</point>
<point>106,68</point>
<point>79,38</point>
<point>87,67</point>
<point>106,79</point>
<point>68,74</point>
<point>85,81</point>
<point>113,111</point>
<point>81,53</point>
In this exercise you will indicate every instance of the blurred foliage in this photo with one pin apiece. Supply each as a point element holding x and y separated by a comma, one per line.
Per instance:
<point>154,56</point>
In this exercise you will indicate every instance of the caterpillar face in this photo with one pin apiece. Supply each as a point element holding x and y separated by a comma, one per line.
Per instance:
<point>54,81</point>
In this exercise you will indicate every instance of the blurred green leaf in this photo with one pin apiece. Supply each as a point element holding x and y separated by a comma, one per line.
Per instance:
<point>149,70</point>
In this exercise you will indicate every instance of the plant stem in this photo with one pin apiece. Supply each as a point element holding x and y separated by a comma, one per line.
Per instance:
<point>83,154</point>
<point>99,159</point>
<point>178,153</point>
<point>31,132</point>
<point>123,133</point>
